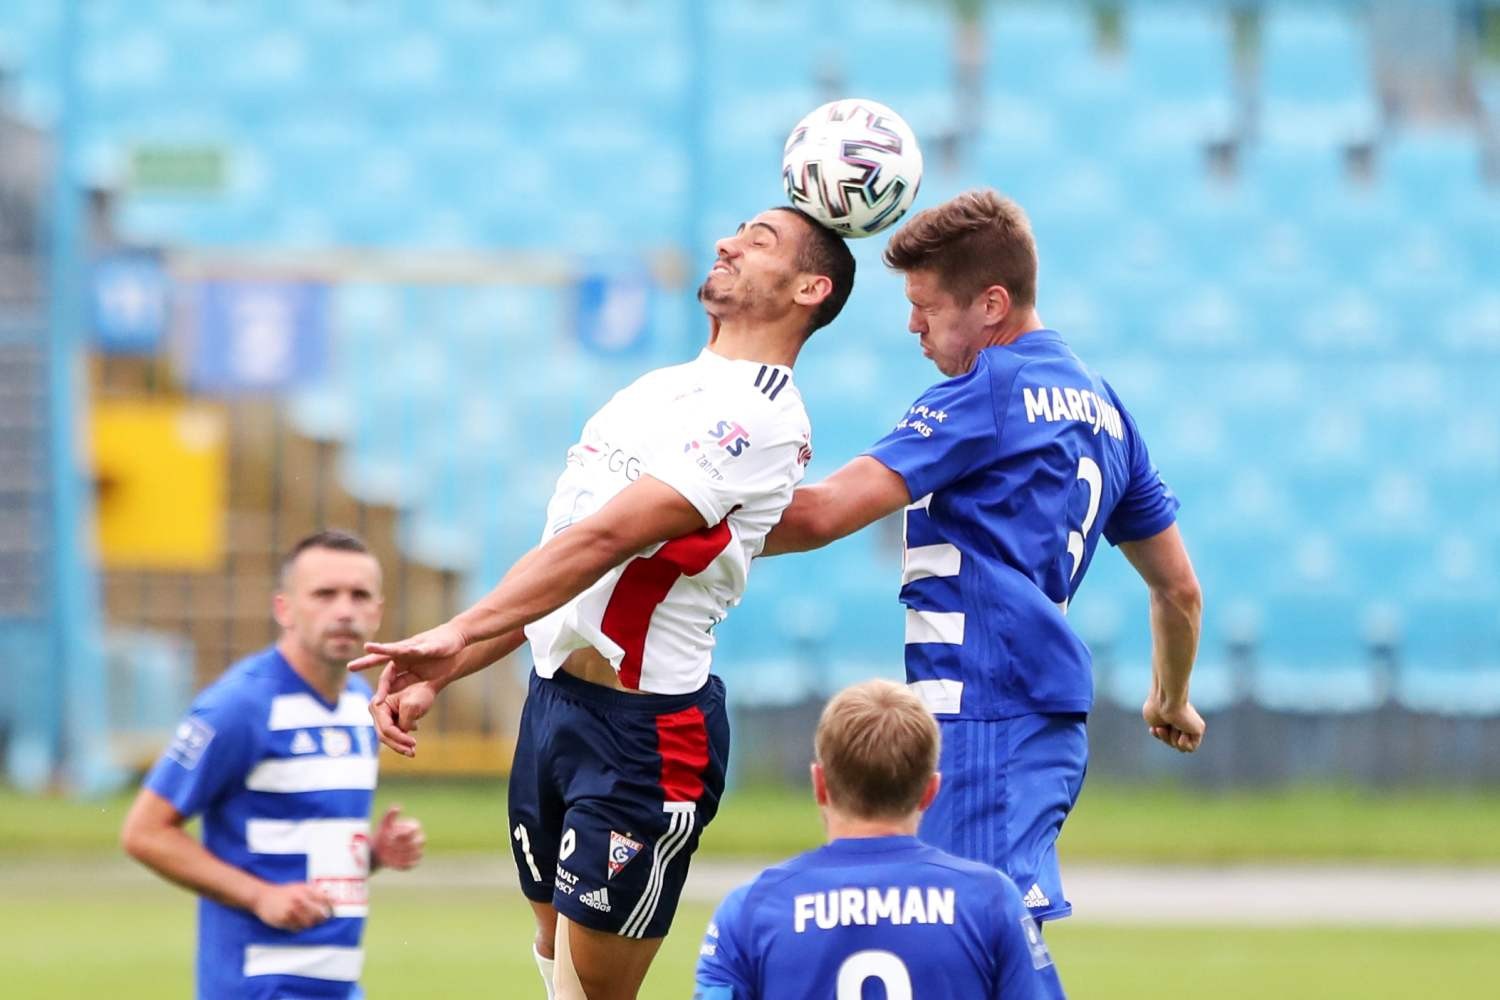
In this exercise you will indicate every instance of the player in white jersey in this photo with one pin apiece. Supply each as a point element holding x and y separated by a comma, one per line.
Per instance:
<point>665,499</point>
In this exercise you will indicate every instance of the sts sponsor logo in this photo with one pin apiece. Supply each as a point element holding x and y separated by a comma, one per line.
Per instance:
<point>731,437</point>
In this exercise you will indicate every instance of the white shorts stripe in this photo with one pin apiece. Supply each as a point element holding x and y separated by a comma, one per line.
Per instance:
<point>679,832</point>
<point>935,626</point>
<point>669,855</point>
<point>341,965</point>
<point>312,774</point>
<point>673,826</point>
<point>303,711</point>
<point>942,697</point>
<point>931,560</point>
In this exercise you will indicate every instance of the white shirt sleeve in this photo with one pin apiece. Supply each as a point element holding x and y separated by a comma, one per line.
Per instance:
<point>726,452</point>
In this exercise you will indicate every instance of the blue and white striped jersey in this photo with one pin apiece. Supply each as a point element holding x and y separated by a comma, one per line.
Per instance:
<point>284,783</point>
<point>1017,468</point>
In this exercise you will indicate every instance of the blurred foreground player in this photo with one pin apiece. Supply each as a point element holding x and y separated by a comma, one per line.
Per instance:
<point>665,500</point>
<point>1008,472</point>
<point>874,905</point>
<point>279,758</point>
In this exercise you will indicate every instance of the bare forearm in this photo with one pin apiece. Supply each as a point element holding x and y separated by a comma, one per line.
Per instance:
<point>859,494</point>
<point>539,583</point>
<point>480,655</point>
<point>177,857</point>
<point>803,525</point>
<point>1175,624</point>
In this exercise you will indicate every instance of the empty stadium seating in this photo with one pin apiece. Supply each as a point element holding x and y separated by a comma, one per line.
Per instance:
<point>1310,342</point>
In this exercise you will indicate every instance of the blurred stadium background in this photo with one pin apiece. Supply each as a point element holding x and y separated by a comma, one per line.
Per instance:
<point>266,266</point>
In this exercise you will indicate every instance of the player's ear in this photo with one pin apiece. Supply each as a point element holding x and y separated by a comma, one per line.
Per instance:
<point>813,289</point>
<point>930,792</point>
<point>281,610</point>
<point>996,303</point>
<point>820,784</point>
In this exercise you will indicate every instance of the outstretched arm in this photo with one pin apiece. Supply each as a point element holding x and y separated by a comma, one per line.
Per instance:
<point>859,494</point>
<point>645,513</point>
<point>1176,618</point>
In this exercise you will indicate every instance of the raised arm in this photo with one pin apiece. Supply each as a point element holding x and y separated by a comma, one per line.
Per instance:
<point>859,494</point>
<point>1176,619</point>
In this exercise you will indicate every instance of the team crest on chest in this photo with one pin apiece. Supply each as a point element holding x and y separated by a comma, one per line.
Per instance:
<point>622,850</point>
<point>336,742</point>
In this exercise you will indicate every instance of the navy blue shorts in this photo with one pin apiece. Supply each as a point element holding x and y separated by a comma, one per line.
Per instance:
<point>609,793</point>
<point>1008,784</point>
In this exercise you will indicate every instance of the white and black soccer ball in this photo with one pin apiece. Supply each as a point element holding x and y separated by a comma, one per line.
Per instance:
<point>853,165</point>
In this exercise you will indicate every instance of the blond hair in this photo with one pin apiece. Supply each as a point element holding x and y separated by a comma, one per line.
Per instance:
<point>971,242</point>
<point>878,746</point>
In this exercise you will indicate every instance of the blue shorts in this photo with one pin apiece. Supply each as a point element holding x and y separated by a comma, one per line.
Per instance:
<point>609,793</point>
<point>1008,784</point>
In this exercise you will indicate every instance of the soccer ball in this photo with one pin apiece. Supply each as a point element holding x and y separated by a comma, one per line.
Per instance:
<point>853,165</point>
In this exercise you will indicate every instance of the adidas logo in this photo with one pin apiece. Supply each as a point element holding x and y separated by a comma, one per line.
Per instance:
<point>1035,897</point>
<point>303,743</point>
<point>598,899</point>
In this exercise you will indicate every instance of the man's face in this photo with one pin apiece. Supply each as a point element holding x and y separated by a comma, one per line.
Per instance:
<point>330,603</point>
<point>755,269</point>
<point>951,333</point>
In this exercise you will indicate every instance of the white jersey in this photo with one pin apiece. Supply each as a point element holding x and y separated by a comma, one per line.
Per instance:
<point>734,439</point>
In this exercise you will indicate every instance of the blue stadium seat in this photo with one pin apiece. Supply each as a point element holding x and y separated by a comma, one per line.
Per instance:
<point>1038,50</point>
<point>1450,656</point>
<point>1313,655</point>
<point>1181,68</point>
<point>1433,169</point>
<point>1316,80</point>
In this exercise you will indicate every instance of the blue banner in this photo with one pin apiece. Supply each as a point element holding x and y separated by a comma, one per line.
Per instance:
<point>130,298</point>
<point>614,312</point>
<point>252,336</point>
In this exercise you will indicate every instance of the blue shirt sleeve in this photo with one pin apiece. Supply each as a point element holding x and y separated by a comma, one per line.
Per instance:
<point>949,432</point>
<point>210,753</point>
<point>1148,505</point>
<point>725,969</point>
<point>1020,951</point>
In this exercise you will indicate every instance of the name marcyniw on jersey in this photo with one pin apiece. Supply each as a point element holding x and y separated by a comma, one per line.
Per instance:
<point>1054,403</point>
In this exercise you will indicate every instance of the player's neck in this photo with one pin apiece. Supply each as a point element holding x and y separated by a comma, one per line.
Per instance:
<point>1014,328</point>
<point>325,678</point>
<point>762,343</point>
<point>852,828</point>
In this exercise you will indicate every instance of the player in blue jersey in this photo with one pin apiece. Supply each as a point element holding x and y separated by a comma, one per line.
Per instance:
<point>874,905</point>
<point>1009,472</point>
<point>279,758</point>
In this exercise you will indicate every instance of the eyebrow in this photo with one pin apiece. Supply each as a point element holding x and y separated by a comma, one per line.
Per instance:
<point>766,226</point>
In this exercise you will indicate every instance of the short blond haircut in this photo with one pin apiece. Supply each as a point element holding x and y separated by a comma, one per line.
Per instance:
<point>878,746</point>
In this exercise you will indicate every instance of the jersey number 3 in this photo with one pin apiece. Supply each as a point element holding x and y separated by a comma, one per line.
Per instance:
<point>1088,471</point>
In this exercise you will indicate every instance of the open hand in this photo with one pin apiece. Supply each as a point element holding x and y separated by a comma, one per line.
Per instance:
<point>427,653</point>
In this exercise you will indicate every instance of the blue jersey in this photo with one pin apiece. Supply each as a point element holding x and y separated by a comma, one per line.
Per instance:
<point>1016,468</point>
<point>836,921</point>
<point>284,782</point>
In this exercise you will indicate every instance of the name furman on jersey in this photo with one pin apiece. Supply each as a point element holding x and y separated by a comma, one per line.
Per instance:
<point>869,906</point>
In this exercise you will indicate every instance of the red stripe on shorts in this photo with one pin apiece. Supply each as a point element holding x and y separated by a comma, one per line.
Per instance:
<point>644,585</point>
<point>683,740</point>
